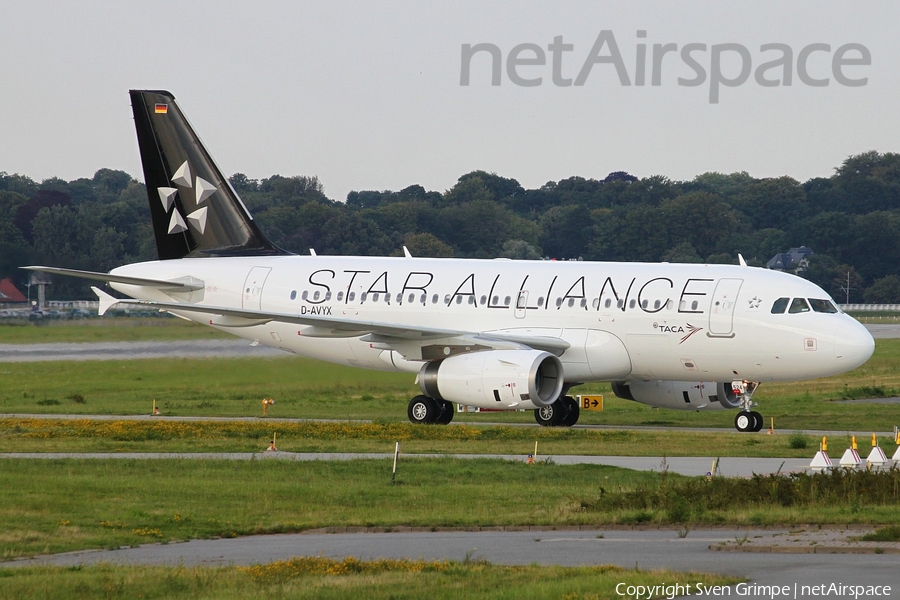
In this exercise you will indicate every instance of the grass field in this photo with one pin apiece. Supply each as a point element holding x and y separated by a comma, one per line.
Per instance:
<point>107,329</point>
<point>50,506</point>
<point>58,505</point>
<point>305,388</point>
<point>320,578</point>
<point>83,435</point>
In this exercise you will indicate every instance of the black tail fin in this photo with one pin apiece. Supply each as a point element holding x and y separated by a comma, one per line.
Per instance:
<point>195,210</point>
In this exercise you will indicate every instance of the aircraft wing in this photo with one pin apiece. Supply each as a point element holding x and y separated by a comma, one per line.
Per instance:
<point>409,340</point>
<point>182,284</point>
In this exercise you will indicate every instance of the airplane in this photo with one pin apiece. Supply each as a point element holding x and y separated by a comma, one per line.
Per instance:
<point>500,334</point>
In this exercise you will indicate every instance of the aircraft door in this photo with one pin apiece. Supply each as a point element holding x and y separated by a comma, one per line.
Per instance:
<point>721,310</point>
<point>253,287</point>
<point>521,304</point>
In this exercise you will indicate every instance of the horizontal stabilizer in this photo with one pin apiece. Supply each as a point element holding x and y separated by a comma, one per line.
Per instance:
<point>106,301</point>
<point>185,284</point>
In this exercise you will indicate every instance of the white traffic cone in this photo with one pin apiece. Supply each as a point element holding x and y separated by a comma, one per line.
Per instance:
<point>821,461</point>
<point>876,457</point>
<point>850,459</point>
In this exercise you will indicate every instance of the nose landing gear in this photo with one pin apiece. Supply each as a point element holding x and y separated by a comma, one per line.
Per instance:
<point>747,419</point>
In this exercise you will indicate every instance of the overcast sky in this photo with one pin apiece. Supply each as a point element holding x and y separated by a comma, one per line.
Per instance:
<point>367,95</point>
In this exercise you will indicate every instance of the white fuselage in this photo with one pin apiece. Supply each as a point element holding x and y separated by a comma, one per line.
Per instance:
<point>623,321</point>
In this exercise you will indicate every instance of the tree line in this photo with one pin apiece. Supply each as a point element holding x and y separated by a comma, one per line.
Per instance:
<point>851,221</point>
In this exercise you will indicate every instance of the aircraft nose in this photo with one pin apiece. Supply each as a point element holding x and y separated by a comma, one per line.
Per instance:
<point>853,344</point>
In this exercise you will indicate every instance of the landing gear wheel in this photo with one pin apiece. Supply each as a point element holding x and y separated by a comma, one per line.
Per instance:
<point>758,421</point>
<point>446,412</point>
<point>573,411</point>
<point>423,409</point>
<point>551,415</point>
<point>745,421</point>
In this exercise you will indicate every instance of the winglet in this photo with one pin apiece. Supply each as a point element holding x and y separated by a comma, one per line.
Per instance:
<point>741,260</point>
<point>406,252</point>
<point>106,301</point>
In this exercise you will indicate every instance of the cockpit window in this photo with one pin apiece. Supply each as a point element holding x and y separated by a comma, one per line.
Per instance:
<point>822,306</point>
<point>780,306</point>
<point>798,305</point>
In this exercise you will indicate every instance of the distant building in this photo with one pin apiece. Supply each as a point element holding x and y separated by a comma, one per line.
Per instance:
<point>9,292</point>
<point>796,260</point>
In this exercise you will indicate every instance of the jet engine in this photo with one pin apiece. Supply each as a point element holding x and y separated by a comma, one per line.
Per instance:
<point>505,379</point>
<point>681,395</point>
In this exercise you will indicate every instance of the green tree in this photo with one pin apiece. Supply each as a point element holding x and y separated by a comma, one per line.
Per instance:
<point>425,245</point>
<point>566,231</point>
<point>519,250</point>
<point>682,253</point>
<point>883,291</point>
<point>700,218</point>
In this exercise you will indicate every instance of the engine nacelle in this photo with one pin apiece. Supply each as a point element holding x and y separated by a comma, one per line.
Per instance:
<point>680,395</point>
<point>495,379</point>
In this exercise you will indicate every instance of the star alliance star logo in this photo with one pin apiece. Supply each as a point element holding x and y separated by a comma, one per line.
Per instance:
<point>754,302</point>
<point>202,191</point>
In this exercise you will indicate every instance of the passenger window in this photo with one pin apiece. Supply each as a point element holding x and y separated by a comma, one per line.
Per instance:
<point>632,304</point>
<point>434,298</point>
<point>483,300</point>
<point>423,298</point>
<point>644,304</point>
<point>798,305</point>
<point>400,298</point>
<point>541,301</point>
<point>495,300</point>
<point>362,297</point>
<point>411,298</point>
<point>608,303</point>
<point>558,302</point>
<point>459,299</point>
<point>506,301</point>
<point>340,296</point>
<point>656,303</point>
<point>571,302</point>
<point>328,295</point>
<point>822,306</point>
<point>584,303</point>
<point>375,297</point>
<point>780,306</point>
<point>350,297</point>
<point>304,295</point>
<point>595,303</point>
<point>293,294</point>
<point>471,299</point>
<point>694,305</point>
<point>620,303</point>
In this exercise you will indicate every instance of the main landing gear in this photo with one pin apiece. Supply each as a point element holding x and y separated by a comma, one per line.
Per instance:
<point>564,412</point>
<point>423,409</point>
<point>746,419</point>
